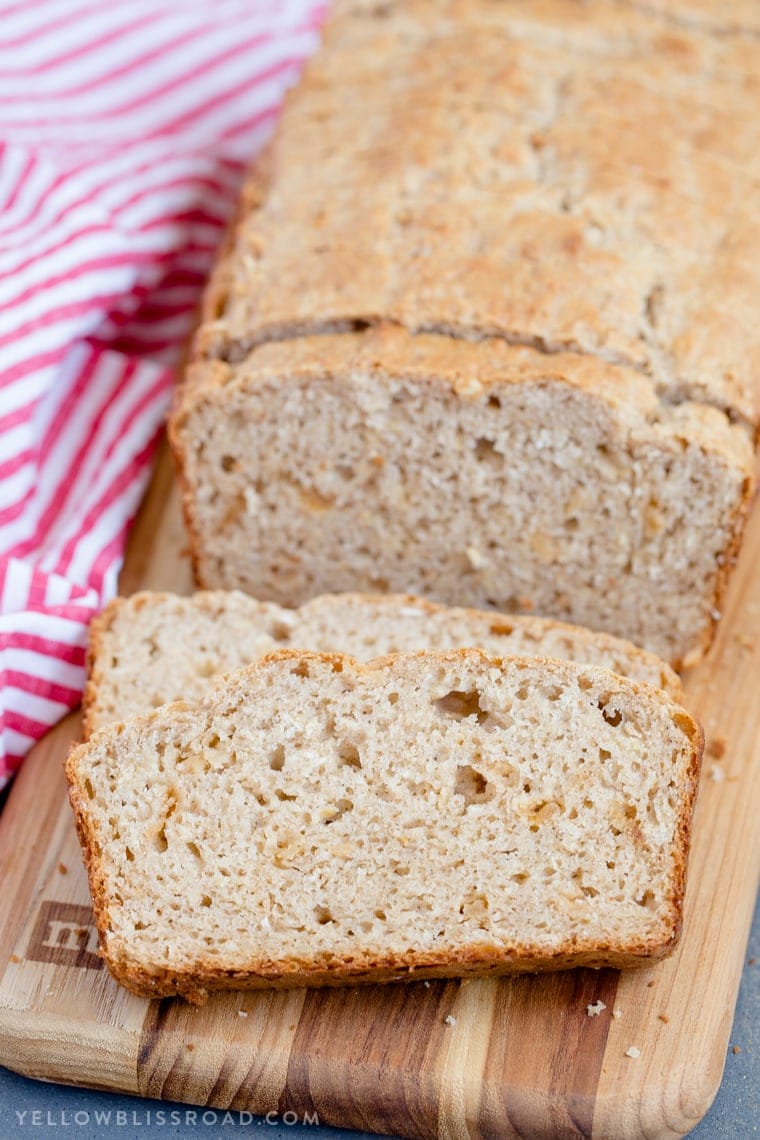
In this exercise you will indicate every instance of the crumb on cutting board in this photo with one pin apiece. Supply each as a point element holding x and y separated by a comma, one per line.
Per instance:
<point>633,1052</point>
<point>595,1009</point>
<point>449,1020</point>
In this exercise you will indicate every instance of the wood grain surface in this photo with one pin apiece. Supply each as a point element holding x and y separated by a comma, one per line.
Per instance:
<point>487,1059</point>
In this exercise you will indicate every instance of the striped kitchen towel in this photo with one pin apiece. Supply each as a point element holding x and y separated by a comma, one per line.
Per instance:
<point>124,130</point>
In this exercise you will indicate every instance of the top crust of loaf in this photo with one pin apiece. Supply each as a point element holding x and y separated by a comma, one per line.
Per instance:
<point>131,666</point>
<point>236,738</point>
<point>436,213</point>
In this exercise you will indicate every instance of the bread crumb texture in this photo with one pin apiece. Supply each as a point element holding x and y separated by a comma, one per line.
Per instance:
<point>153,648</point>
<point>315,821</point>
<point>561,488</point>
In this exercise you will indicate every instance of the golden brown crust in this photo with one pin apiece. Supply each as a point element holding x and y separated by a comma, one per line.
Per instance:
<point>493,962</point>
<point>739,519</point>
<point>583,192</point>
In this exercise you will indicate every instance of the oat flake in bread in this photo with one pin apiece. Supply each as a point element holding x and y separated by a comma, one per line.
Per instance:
<point>314,821</point>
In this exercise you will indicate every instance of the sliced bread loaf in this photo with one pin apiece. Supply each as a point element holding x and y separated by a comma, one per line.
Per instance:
<point>314,821</point>
<point>149,649</point>
<point>486,329</point>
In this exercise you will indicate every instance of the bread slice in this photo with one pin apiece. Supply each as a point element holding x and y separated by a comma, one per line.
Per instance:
<point>314,821</point>
<point>152,648</point>
<point>475,474</point>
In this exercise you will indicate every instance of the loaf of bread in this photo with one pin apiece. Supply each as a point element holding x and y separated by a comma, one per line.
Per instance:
<point>313,821</point>
<point>486,328</point>
<point>151,648</point>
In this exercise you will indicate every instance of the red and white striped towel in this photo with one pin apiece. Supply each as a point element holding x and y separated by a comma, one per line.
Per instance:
<point>124,130</point>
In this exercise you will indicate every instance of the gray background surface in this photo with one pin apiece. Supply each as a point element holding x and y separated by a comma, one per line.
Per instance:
<point>735,1114</point>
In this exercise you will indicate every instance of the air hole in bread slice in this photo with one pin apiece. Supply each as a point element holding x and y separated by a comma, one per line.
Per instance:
<point>460,705</point>
<point>160,841</point>
<point>612,716</point>
<point>486,452</point>
<point>472,785</point>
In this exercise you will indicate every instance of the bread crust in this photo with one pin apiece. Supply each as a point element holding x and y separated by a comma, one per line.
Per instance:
<point>364,967</point>
<point>681,310</point>
<point>490,962</point>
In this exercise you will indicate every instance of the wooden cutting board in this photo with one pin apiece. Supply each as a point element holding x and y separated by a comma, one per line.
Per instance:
<point>497,1059</point>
